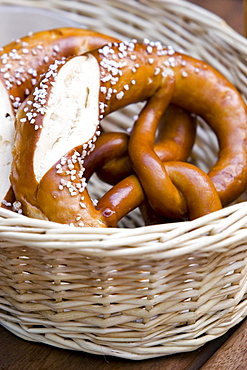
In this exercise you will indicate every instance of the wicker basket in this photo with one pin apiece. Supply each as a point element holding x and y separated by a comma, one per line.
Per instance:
<point>135,292</point>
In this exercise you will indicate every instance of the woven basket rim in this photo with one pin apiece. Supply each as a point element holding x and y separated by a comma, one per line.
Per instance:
<point>216,230</point>
<point>47,6</point>
<point>215,21</point>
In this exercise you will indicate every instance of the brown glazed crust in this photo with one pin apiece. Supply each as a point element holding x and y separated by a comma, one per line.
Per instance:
<point>199,88</point>
<point>133,72</point>
<point>29,124</point>
<point>24,60</point>
<point>175,139</point>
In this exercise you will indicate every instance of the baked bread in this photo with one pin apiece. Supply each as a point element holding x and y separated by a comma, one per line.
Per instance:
<point>21,64</point>
<point>60,123</point>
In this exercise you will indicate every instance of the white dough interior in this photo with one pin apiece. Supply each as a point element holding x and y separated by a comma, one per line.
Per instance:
<point>72,114</point>
<point>6,140</point>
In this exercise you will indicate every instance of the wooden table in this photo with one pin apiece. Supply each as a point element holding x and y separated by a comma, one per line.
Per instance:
<point>226,352</point>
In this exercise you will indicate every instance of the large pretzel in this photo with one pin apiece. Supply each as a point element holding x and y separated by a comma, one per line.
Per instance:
<point>21,64</point>
<point>125,195</point>
<point>123,73</point>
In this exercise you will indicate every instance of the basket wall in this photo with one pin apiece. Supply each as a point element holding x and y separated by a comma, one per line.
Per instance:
<point>133,292</point>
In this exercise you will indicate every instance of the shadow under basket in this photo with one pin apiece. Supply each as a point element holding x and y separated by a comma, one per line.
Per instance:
<point>134,291</point>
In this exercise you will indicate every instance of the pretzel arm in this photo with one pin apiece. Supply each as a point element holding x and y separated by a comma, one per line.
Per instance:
<point>195,187</point>
<point>24,60</point>
<point>174,142</point>
<point>121,199</point>
<point>176,135</point>
<point>175,139</point>
<point>223,108</point>
<point>159,189</point>
<point>80,210</point>
<point>108,147</point>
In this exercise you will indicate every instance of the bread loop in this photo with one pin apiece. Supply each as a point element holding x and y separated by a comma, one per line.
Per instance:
<point>162,195</point>
<point>24,60</point>
<point>174,141</point>
<point>21,64</point>
<point>110,160</point>
<point>197,195</point>
<point>175,190</point>
<point>132,72</point>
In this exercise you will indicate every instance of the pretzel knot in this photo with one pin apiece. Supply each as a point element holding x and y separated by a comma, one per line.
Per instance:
<point>168,186</point>
<point>174,189</point>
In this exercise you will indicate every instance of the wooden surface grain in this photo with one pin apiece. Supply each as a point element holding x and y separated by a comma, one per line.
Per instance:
<point>232,354</point>
<point>18,354</point>
<point>232,11</point>
<point>226,352</point>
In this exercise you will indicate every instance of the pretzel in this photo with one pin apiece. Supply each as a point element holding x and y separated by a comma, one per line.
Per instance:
<point>124,73</point>
<point>197,193</point>
<point>175,189</point>
<point>132,72</point>
<point>175,139</point>
<point>111,162</point>
<point>24,60</point>
<point>21,64</point>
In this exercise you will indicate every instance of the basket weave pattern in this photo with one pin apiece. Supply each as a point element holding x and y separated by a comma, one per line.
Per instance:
<point>133,292</point>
